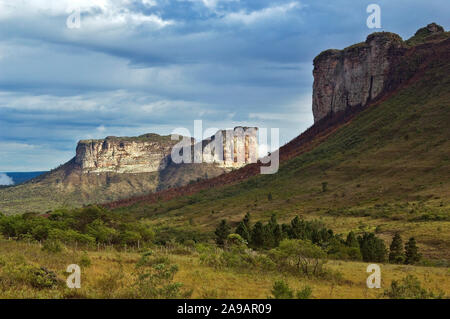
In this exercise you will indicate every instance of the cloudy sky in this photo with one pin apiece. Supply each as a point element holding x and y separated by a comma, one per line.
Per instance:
<point>142,66</point>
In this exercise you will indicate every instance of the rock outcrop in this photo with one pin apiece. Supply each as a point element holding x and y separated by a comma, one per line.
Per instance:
<point>239,147</point>
<point>152,153</point>
<point>354,76</point>
<point>143,154</point>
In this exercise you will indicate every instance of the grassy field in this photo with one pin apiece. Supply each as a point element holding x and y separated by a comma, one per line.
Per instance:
<point>113,274</point>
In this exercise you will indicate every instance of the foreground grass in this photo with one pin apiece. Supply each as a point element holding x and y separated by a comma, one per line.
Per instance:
<point>112,274</point>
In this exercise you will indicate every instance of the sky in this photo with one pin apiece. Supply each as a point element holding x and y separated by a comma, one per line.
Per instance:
<point>135,67</point>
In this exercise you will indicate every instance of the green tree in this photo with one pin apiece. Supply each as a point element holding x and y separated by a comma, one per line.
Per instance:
<point>372,248</point>
<point>258,235</point>
<point>396,253</point>
<point>242,230</point>
<point>273,231</point>
<point>412,252</point>
<point>222,232</point>
<point>298,228</point>
<point>246,221</point>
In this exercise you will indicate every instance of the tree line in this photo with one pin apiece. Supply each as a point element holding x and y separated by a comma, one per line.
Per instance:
<point>367,246</point>
<point>89,226</point>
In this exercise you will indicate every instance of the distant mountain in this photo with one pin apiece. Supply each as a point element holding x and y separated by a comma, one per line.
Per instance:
<point>15,178</point>
<point>114,168</point>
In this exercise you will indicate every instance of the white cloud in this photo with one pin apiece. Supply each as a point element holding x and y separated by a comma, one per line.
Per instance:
<point>6,180</point>
<point>96,14</point>
<point>263,14</point>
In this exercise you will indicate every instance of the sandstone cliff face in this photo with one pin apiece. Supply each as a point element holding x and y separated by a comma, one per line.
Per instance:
<point>352,77</point>
<point>239,147</point>
<point>144,154</point>
<point>151,152</point>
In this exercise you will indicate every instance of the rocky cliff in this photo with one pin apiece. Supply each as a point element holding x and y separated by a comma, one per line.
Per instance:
<point>354,76</point>
<point>239,147</point>
<point>120,167</point>
<point>143,154</point>
<point>152,153</point>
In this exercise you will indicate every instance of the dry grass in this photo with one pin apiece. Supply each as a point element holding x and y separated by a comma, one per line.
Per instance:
<point>112,274</point>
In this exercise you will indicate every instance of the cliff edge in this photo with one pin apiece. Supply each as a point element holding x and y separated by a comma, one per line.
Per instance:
<point>353,77</point>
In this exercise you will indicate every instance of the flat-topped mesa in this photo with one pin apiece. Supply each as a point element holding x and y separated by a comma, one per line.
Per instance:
<point>239,147</point>
<point>354,76</point>
<point>152,152</point>
<point>142,154</point>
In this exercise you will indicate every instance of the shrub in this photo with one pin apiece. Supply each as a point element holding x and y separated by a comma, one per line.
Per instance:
<point>304,293</point>
<point>52,246</point>
<point>36,277</point>
<point>302,255</point>
<point>148,259</point>
<point>41,278</point>
<point>409,288</point>
<point>281,290</point>
<point>157,282</point>
<point>235,240</point>
<point>85,261</point>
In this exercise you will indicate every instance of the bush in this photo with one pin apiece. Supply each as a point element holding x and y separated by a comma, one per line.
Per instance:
<point>157,282</point>
<point>305,293</point>
<point>302,255</point>
<point>52,246</point>
<point>235,240</point>
<point>281,290</point>
<point>41,278</point>
<point>36,277</point>
<point>85,261</point>
<point>148,259</point>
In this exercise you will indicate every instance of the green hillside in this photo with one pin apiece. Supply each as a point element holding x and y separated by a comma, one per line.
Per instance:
<point>365,187</point>
<point>387,170</point>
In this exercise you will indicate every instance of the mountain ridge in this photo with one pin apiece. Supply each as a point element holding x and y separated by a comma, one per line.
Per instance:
<point>405,73</point>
